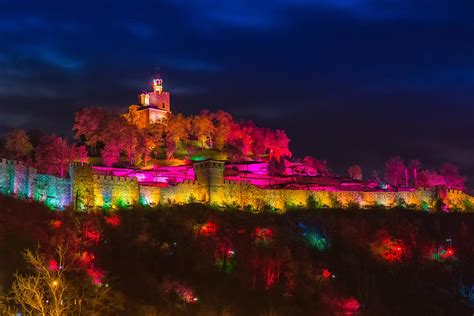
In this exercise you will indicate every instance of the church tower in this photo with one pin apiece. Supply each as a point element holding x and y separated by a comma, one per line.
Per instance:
<point>153,106</point>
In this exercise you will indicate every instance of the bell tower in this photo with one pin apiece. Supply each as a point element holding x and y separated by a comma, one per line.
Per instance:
<point>153,106</point>
<point>158,85</point>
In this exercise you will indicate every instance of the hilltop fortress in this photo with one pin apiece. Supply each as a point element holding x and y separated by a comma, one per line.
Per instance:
<point>209,181</point>
<point>246,185</point>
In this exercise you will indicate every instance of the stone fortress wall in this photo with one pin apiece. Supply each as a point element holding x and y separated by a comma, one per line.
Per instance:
<point>86,190</point>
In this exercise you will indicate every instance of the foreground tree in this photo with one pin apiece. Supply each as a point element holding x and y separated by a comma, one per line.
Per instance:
<point>45,291</point>
<point>18,144</point>
<point>57,287</point>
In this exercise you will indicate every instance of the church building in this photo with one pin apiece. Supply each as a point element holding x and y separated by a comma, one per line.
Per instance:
<point>153,106</point>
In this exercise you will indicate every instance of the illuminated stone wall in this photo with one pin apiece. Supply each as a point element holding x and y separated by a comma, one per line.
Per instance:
<point>111,191</point>
<point>150,195</point>
<point>458,200</point>
<point>82,188</point>
<point>247,195</point>
<point>86,190</point>
<point>186,192</point>
<point>53,191</point>
<point>16,178</point>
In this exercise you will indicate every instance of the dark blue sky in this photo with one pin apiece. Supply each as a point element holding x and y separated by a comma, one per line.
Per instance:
<point>350,81</point>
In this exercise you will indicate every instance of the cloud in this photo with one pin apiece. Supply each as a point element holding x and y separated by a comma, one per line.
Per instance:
<point>57,58</point>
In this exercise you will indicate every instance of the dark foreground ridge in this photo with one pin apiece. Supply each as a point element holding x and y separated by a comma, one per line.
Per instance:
<point>196,260</point>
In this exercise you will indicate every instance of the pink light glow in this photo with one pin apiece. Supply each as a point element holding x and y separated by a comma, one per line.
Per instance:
<point>95,275</point>
<point>113,220</point>
<point>171,175</point>
<point>53,265</point>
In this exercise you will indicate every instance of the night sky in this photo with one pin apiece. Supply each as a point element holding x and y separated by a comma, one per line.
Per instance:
<point>351,81</point>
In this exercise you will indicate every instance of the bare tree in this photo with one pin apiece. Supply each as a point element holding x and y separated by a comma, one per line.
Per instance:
<point>46,291</point>
<point>60,286</point>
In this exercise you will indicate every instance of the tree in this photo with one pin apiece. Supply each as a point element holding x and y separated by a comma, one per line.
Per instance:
<point>277,143</point>
<point>257,140</point>
<point>110,154</point>
<point>319,166</point>
<point>394,170</point>
<point>276,167</point>
<point>222,126</point>
<point>46,291</point>
<point>18,144</point>
<point>413,167</point>
<point>122,136</point>
<point>59,286</point>
<point>203,128</point>
<point>91,124</point>
<point>80,154</point>
<point>241,140</point>
<point>132,138</point>
<point>452,179</point>
<point>429,179</point>
<point>177,130</point>
<point>54,155</point>
<point>156,133</point>
<point>355,172</point>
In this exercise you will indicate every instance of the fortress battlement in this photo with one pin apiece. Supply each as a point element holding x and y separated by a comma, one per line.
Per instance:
<point>115,178</point>
<point>81,164</point>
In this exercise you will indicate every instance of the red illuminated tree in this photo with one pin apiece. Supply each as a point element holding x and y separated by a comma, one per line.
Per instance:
<point>91,124</point>
<point>258,141</point>
<point>54,155</point>
<point>133,143</point>
<point>18,144</point>
<point>413,168</point>
<point>320,166</point>
<point>429,178</point>
<point>276,167</point>
<point>241,141</point>
<point>111,154</point>
<point>452,179</point>
<point>120,136</point>
<point>355,172</point>
<point>277,143</point>
<point>394,171</point>
<point>80,154</point>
